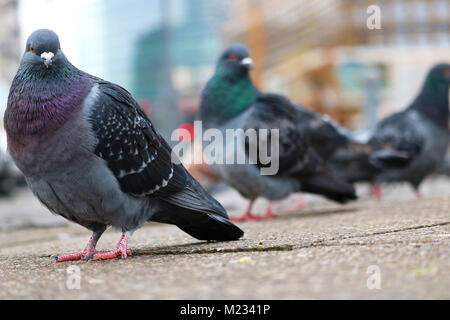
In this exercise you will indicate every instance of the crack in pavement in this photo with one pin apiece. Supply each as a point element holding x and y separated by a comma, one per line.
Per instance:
<point>323,242</point>
<point>177,250</point>
<point>213,250</point>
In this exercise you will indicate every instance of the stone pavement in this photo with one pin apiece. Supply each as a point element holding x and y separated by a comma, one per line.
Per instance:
<point>396,249</point>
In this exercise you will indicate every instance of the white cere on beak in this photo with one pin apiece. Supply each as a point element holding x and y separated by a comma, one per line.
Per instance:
<point>47,56</point>
<point>248,62</point>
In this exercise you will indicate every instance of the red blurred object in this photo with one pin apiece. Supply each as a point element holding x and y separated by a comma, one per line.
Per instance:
<point>248,215</point>
<point>146,105</point>
<point>187,106</point>
<point>186,132</point>
<point>376,192</point>
<point>203,174</point>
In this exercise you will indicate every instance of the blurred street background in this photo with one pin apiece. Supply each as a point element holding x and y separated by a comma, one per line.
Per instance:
<point>319,53</point>
<point>322,55</point>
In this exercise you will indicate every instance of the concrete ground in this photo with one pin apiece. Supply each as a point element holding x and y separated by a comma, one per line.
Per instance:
<point>396,249</point>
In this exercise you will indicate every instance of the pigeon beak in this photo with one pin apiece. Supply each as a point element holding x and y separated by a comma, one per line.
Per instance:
<point>47,57</point>
<point>247,62</point>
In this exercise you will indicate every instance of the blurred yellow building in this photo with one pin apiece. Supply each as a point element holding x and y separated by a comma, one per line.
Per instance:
<point>323,55</point>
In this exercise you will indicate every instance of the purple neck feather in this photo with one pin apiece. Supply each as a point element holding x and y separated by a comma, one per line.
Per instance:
<point>39,105</point>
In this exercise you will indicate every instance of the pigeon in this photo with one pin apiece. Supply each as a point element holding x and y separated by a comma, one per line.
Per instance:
<point>406,146</point>
<point>306,140</point>
<point>90,154</point>
<point>354,166</point>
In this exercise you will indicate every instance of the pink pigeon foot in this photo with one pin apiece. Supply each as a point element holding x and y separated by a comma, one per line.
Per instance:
<point>299,205</point>
<point>376,192</point>
<point>248,215</point>
<point>86,254</point>
<point>418,194</point>
<point>269,214</point>
<point>120,251</point>
<point>89,252</point>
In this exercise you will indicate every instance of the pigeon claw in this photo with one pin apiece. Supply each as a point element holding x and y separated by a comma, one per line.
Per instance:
<point>68,257</point>
<point>248,216</point>
<point>121,250</point>
<point>376,192</point>
<point>298,205</point>
<point>89,253</point>
<point>83,255</point>
<point>106,255</point>
<point>269,214</point>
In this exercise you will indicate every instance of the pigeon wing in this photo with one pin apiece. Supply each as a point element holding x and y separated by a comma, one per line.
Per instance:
<point>137,155</point>
<point>272,111</point>
<point>398,138</point>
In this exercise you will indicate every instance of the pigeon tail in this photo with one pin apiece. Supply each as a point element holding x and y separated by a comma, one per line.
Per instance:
<point>353,166</point>
<point>202,226</point>
<point>330,187</point>
<point>197,213</point>
<point>211,227</point>
<point>357,146</point>
<point>385,159</point>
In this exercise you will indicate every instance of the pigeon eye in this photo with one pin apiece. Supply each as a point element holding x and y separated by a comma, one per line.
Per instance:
<point>232,57</point>
<point>59,47</point>
<point>31,49</point>
<point>447,72</point>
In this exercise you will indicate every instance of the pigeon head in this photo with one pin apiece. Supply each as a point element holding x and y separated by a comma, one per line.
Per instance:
<point>230,91</point>
<point>440,73</point>
<point>432,100</point>
<point>46,88</point>
<point>236,58</point>
<point>437,81</point>
<point>43,50</point>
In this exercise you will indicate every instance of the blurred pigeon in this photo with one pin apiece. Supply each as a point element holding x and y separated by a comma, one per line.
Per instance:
<point>408,145</point>
<point>91,155</point>
<point>444,169</point>
<point>307,141</point>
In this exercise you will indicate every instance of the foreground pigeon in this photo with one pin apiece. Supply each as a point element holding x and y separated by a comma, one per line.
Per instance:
<point>91,155</point>
<point>307,141</point>
<point>408,145</point>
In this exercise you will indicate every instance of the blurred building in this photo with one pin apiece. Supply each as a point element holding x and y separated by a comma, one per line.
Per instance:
<point>323,55</point>
<point>162,51</point>
<point>174,60</point>
<point>10,49</point>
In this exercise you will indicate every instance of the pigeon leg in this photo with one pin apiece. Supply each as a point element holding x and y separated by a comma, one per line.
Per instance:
<point>248,215</point>
<point>376,192</point>
<point>87,252</point>
<point>418,193</point>
<point>269,214</point>
<point>120,251</point>
<point>299,205</point>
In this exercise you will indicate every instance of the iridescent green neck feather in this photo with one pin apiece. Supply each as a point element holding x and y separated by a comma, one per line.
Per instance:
<point>227,94</point>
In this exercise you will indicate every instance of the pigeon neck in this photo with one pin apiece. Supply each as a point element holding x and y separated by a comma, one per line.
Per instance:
<point>433,102</point>
<point>40,104</point>
<point>226,96</point>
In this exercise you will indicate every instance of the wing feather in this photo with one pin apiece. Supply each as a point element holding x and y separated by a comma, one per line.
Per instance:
<point>137,155</point>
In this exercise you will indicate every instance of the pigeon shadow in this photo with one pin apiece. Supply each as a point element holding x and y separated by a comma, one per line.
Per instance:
<point>206,248</point>
<point>317,213</point>
<point>203,247</point>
